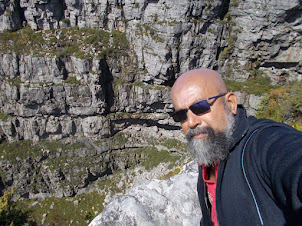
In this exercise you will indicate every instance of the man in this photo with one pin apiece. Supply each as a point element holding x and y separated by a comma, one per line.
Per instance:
<point>250,169</point>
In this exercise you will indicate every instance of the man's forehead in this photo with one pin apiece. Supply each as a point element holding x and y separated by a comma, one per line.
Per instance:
<point>189,94</point>
<point>193,86</point>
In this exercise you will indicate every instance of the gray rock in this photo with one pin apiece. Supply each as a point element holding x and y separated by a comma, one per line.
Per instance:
<point>260,27</point>
<point>9,65</point>
<point>10,16</point>
<point>168,202</point>
<point>42,14</point>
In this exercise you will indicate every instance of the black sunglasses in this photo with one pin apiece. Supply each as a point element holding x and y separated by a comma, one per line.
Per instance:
<point>197,108</point>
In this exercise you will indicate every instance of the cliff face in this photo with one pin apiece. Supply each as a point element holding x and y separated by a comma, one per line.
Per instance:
<point>94,68</point>
<point>50,91</point>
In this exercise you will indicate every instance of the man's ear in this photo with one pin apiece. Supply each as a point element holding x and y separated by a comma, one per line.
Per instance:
<point>231,101</point>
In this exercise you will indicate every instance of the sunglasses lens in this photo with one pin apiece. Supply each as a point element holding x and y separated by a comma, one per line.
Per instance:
<point>200,107</point>
<point>180,116</point>
<point>197,108</point>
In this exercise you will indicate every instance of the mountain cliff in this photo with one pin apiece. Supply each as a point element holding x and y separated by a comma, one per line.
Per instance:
<point>67,65</point>
<point>85,84</point>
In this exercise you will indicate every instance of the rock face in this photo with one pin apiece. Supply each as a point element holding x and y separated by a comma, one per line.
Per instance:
<point>167,202</point>
<point>72,166</point>
<point>47,95</point>
<point>265,36</point>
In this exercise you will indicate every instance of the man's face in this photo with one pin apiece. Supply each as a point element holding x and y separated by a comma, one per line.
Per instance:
<point>216,117</point>
<point>206,133</point>
<point>214,147</point>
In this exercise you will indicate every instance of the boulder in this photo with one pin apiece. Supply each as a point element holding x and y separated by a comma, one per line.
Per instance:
<point>169,202</point>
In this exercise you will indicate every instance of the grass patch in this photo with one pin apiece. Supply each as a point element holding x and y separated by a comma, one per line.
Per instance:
<point>3,117</point>
<point>19,149</point>
<point>53,146</point>
<point>26,149</point>
<point>82,43</point>
<point>110,184</point>
<point>15,81</point>
<point>72,80</point>
<point>79,210</point>
<point>258,85</point>
<point>155,157</point>
<point>173,143</point>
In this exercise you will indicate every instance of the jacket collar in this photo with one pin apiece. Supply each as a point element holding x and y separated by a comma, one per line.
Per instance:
<point>241,126</point>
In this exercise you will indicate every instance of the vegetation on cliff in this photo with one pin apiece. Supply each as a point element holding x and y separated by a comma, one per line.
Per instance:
<point>283,104</point>
<point>67,168</point>
<point>11,212</point>
<point>83,43</point>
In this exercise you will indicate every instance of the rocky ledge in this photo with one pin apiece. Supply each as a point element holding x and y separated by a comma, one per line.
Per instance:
<point>169,202</point>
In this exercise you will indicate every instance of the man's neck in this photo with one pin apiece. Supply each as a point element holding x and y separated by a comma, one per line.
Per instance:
<point>212,173</point>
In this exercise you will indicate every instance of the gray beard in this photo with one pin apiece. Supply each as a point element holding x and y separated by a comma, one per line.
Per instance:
<point>214,148</point>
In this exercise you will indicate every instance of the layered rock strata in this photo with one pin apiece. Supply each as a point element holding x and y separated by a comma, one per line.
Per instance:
<point>165,39</point>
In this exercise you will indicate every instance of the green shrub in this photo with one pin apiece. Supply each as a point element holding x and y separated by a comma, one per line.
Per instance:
<point>10,212</point>
<point>171,173</point>
<point>233,85</point>
<point>234,3</point>
<point>120,41</point>
<point>3,117</point>
<point>152,32</point>
<point>66,20</point>
<point>283,104</point>
<point>275,105</point>
<point>258,85</point>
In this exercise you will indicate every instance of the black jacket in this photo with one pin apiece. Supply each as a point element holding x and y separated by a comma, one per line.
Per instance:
<point>260,183</point>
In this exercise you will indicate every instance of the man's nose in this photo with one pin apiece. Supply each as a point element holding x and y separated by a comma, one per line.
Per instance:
<point>193,120</point>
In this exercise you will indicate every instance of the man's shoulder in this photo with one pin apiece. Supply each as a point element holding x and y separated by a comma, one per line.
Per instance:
<point>267,124</point>
<point>268,133</point>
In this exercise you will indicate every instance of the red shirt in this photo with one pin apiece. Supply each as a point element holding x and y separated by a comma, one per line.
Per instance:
<point>211,186</point>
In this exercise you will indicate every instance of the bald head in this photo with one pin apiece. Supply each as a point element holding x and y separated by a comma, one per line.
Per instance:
<point>203,82</point>
<point>207,126</point>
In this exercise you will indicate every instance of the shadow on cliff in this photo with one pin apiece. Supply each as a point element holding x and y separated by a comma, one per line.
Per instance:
<point>126,122</point>
<point>106,80</point>
<point>218,11</point>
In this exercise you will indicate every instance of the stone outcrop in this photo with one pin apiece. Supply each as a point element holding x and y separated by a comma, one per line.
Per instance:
<point>265,35</point>
<point>157,202</point>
